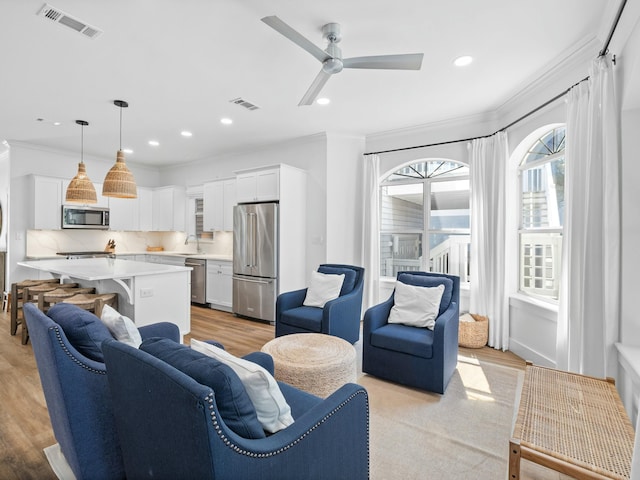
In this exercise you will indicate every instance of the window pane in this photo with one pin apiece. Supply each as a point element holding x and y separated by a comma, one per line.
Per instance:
<point>549,144</point>
<point>540,256</point>
<point>400,251</point>
<point>430,169</point>
<point>402,208</point>
<point>450,254</point>
<point>543,195</point>
<point>401,226</point>
<point>449,205</point>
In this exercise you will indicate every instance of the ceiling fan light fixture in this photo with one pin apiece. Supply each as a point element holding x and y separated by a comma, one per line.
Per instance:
<point>119,182</point>
<point>81,188</point>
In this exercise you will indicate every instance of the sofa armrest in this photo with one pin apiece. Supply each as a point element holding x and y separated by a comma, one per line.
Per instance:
<point>377,316</point>
<point>334,311</point>
<point>161,329</point>
<point>344,415</point>
<point>289,300</point>
<point>447,321</point>
<point>262,359</point>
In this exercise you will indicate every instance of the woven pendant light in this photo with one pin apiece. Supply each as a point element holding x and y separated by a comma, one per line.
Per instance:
<point>81,189</point>
<point>119,181</point>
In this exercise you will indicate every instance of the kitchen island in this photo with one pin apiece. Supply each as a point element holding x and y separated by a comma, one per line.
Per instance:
<point>147,292</point>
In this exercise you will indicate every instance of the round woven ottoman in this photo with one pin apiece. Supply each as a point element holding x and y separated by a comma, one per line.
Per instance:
<point>313,362</point>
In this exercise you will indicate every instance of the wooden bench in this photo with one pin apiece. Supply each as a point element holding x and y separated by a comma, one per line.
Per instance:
<point>573,424</point>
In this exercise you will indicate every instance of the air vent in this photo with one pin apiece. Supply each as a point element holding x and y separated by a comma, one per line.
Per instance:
<point>243,103</point>
<point>56,15</point>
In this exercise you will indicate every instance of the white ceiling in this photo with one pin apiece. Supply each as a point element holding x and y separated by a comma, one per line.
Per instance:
<point>178,63</point>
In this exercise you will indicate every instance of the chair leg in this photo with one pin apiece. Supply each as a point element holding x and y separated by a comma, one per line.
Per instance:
<point>14,308</point>
<point>25,332</point>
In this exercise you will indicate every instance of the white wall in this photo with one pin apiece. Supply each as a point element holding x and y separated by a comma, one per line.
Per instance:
<point>630,283</point>
<point>344,200</point>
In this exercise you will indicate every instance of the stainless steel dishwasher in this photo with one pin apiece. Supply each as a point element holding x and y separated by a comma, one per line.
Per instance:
<point>198,279</point>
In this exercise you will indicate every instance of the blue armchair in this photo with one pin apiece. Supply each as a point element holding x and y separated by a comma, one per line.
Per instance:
<point>171,427</point>
<point>76,389</point>
<point>417,357</point>
<point>339,317</point>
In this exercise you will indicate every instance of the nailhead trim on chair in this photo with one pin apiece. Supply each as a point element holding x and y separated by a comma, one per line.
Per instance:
<point>71,356</point>
<point>228,443</point>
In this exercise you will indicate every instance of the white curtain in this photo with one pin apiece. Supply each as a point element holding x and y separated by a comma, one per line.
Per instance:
<point>488,167</point>
<point>371,230</point>
<point>590,286</point>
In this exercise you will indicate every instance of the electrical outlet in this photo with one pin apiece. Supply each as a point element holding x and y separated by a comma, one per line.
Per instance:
<point>146,292</point>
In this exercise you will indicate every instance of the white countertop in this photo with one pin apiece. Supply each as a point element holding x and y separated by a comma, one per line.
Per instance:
<point>203,256</point>
<point>101,268</point>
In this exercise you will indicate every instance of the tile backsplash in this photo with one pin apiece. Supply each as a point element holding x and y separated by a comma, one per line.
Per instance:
<point>46,243</point>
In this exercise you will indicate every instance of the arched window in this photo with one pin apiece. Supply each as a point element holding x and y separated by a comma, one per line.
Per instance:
<point>428,199</point>
<point>541,179</point>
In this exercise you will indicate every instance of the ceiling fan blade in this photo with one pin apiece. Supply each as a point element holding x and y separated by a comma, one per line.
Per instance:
<point>409,61</point>
<point>315,88</point>
<point>284,29</point>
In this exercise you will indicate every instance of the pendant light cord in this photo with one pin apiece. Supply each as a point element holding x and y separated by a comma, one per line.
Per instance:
<point>81,143</point>
<point>120,127</point>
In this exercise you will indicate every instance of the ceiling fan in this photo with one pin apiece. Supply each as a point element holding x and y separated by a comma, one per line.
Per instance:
<point>331,57</point>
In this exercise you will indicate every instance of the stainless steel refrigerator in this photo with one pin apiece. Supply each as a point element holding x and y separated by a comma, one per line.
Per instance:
<point>255,260</point>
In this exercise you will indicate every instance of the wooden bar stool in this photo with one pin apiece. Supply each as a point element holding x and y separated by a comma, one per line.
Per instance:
<point>47,299</point>
<point>30,295</point>
<point>94,302</point>
<point>15,305</point>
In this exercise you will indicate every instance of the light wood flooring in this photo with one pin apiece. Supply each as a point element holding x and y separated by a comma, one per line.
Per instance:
<point>25,429</point>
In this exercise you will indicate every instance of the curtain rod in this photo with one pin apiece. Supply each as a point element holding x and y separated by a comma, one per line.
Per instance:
<point>602,52</point>
<point>605,48</point>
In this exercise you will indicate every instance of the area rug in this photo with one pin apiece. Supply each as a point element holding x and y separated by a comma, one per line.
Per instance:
<point>463,434</point>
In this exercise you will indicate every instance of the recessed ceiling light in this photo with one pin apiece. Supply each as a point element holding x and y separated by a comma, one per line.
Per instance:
<point>154,143</point>
<point>226,121</point>
<point>463,61</point>
<point>184,133</point>
<point>128,151</point>
<point>57,123</point>
<point>323,101</point>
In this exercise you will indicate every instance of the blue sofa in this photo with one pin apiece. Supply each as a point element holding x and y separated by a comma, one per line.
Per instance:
<point>417,357</point>
<point>339,317</point>
<point>171,426</point>
<point>74,381</point>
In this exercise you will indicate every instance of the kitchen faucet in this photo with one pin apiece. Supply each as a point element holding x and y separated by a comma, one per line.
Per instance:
<point>186,241</point>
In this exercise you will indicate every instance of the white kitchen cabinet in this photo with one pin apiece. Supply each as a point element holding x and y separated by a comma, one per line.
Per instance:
<point>175,260</point>
<point>258,185</point>
<point>287,185</point>
<point>219,284</point>
<point>145,209</point>
<point>47,203</point>
<point>124,214</point>
<point>169,209</point>
<point>219,199</point>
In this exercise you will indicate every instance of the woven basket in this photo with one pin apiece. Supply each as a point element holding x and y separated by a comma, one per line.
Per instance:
<point>474,334</point>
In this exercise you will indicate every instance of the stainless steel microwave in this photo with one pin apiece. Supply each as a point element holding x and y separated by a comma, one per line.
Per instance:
<point>95,218</point>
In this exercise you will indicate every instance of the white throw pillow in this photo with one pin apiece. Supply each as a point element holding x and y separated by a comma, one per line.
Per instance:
<point>274,413</point>
<point>416,306</point>
<point>324,287</point>
<point>122,328</point>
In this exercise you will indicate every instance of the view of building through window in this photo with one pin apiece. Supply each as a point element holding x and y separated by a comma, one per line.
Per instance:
<point>541,178</point>
<point>427,199</point>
